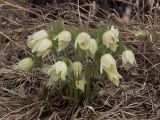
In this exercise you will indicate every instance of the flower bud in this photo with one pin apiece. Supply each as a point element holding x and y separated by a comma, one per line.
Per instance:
<point>58,71</point>
<point>83,40</point>
<point>25,65</point>
<point>108,64</point>
<point>93,46</point>
<point>77,69</point>
<point>80,84</point>
<point>110,39</point>
<point>43,47</point>
<point>141,34</point>
<point>128,59</point>
<point>36,37</point>
<point>63,39</point>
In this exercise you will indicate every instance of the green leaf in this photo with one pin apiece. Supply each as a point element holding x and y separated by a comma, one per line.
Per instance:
<point>101,50</point>
<point>119,50</point>
<point>56,29</point>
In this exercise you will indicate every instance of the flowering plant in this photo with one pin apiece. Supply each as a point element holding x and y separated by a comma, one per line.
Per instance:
<point>93,56</point>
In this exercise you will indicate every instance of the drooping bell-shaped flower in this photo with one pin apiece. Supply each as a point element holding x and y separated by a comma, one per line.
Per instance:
<point>92,46</point>
<point>77,68</point>
<point>83,40</point>
<point>25,65</point>
<point>58,71</point>
<point>141,34</point>
<point>63,39</point>
<point>108,64</point>
<point>128,59</point>
<point>110,38</point>
<point>36,37</point>
<point>80,84</point>
<point>42,48</point>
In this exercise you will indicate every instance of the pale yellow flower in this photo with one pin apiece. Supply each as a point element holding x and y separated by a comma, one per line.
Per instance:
<point>63,39</point>
<point>43,47</point>
<point>80,84</point>
<point>92,46</point>
<point>58,71</point>
<point>141,34</point>
<point>36,37</point>
<point>110,39</point>
<point>83,40</point>
<point>108,64</point>
<point>128,59</point>
<point>77,69</point>
<point>26,64</point>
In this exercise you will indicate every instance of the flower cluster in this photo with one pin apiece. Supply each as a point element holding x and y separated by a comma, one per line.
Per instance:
<point>39,43</point>
<point>77,70</point>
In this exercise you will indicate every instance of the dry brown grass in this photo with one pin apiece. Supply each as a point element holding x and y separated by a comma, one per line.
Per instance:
<point>22,94</point>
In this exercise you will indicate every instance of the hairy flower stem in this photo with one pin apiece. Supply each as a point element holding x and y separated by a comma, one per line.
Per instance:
<point>88,84</point>
<point>76,96</point>
<point>38,61</point>
<point>71,91</point>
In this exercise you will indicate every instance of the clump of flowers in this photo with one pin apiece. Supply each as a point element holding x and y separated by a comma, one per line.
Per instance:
<point>92,55</point>
<point>39,43</point>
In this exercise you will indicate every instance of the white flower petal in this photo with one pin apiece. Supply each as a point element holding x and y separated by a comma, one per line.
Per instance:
<point>43,47</point>
<point>58,71</point>
<point>77,68</point>
<point>36,37</point>
<point>83,40</point>
<point>93,46</point>
<point>63,39</point>
<point>108,64</point>
<point>110,39</point>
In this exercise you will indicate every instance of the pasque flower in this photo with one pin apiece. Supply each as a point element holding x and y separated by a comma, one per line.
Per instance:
<point>110,38</point>
<point>141,34</point>
<point>25,65</point>
<point>108,64</point>
<point>86,43</point>
<point>80,84</point>
<point>77,68</point>
<point>58,71</point>
<point>83,40</point>
<point>42,48</point>
<point>128,59</point>
<point>92,46</point>
<point>63,39</point>
<point>36,37</point>
<point>40,43</point>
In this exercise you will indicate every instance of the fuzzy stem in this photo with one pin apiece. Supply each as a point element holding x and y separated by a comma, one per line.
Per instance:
<point>38,61</point>
<point>88,84</point>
